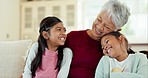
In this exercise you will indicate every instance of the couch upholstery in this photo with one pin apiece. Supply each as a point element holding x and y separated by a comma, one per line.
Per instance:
<point>12,58</point>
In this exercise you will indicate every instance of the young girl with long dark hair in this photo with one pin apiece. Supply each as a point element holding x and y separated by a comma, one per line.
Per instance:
<point>120,61</point>
<point>47,57</point>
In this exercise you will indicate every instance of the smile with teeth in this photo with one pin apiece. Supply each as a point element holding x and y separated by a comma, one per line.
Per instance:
<point>98,32</point>
<point>109,50</point>
<point>62,38</point>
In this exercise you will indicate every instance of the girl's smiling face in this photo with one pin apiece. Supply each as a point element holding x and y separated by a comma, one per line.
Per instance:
<point>111,46</point>
<point>57,34</point>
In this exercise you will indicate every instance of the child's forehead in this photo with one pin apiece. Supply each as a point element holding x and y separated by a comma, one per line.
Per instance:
<point>107,36</point>
<point>60,24</point>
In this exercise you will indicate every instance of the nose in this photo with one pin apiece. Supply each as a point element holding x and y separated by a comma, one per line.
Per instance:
<point>101,27</point>
<point>107,46</point>
<point>63,30</point>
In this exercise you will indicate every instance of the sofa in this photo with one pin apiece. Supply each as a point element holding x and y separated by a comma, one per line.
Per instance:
<point>12,57</point>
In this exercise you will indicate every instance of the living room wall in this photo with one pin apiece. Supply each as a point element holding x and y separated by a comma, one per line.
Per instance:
<point>9,20</point>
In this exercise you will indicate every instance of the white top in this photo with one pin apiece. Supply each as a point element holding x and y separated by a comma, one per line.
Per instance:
<point>123,66</point>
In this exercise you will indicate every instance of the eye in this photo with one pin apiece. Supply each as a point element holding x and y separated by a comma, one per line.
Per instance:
<point>64,30</point>
<point>99,19</point>
<point>58,29</point>
<point>106,41</point>
<point>107,27</point>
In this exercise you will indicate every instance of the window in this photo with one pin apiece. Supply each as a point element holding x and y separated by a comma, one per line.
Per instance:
<point>136,30</point>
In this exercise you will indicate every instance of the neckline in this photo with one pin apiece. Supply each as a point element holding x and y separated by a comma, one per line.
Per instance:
<point>50,53</point>
<point>122,62</point>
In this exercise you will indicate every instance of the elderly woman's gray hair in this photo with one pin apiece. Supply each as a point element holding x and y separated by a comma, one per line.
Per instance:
<point>118,12</point>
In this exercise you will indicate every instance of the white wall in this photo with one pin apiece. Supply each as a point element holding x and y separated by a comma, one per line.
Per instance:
<point>9,20</point>
<point>139,47</point>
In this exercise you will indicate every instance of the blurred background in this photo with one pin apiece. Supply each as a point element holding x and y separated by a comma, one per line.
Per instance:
<point>19,19</point>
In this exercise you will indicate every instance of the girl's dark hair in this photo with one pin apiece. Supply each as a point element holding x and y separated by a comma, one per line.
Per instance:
<point>117,34</point>
<point>45,25</point>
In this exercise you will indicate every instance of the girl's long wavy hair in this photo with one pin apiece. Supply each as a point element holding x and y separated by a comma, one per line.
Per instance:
<point>45,25</point>
<point>117,34</point>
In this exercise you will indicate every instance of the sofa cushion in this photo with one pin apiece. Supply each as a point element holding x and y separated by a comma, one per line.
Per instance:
<point>12,58</point>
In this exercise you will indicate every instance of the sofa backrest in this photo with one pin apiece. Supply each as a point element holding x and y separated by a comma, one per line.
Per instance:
<point>12,57</point>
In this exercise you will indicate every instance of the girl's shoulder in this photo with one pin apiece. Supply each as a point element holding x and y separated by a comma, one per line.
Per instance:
<point>35,45</point>
<point>67,51</point>
<point>105,58</point>
<point>138,56</point>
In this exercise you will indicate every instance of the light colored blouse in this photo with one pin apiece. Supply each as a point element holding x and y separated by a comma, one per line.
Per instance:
<point>138,67</point>
<point>65,66</point>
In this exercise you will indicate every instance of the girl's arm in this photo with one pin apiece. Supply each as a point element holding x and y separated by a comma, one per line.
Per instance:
<point>65,66</point>
<point>32,53</point>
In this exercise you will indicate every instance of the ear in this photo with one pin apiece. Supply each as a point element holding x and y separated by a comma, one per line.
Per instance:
<point>45,35</point>
<point>122,40</point>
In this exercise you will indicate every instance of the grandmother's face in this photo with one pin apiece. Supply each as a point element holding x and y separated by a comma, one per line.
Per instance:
<point>102,25</point>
